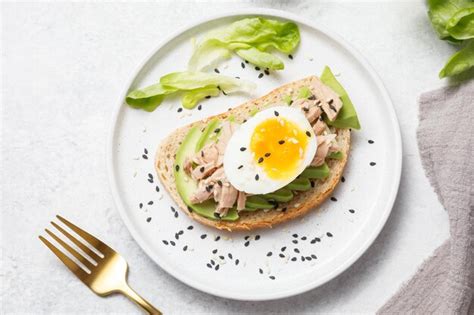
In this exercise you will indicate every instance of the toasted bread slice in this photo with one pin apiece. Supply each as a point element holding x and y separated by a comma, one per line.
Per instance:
<point>301,204</point>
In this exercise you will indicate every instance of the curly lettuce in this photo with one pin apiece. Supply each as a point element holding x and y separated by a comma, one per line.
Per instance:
<point>251,39</point>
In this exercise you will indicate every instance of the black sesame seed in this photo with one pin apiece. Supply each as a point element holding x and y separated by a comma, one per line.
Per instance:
<point>313,241</point>
<point>293,259</point>
<point>332,108</point>
<point>260,75</point>
<point>201,169</point>
<point>157,189</point>
<point>284,209</point>
<point>314,256</point>
<point>246,237</point>
<point>221,257</point>
<point>242,65</point>
<point>267,154</point>
<point>172,243</point>
<point>217,267</point>
<point>290,56</point>
<point>317,239</point>
<point>333,199</point>
<point>150,180</point>
<point>303,238</point>
<point>190,227</point>
<point>209,266</point>
<point>257,237</point>
<point>351,210</point>
<point>260,159</point>
<point>308,133</point>
<point>229,255</point>
<point>370,141</point>
<point>214,251</point>
<point>140,205</point>
<point>180,110</point>
<point>302,258</point>
<point>312,184</point>
<point>267,72</point>
<point>269,254</point>
<point>329,234</point>
<point>283,248</point>
<point>176,168</point>
<point>260,270</point>
<point>237,77</point>
<point>295,235</point>
<point>312,97</point>
<point>257,177</point>
<point>176,236</point>
<point>148,219</point>
<point>237,262</point>
<point>219,182</point>
<point>180,232</point>
<point>276,113</point>
<point>246,243</point>
<point>185,248</point>
<point>217,130</point>
<point>372,163</point>
<point>343,179</point>
<point>145,157</point>
<point>295,241</point>
<point>216,70</point>
<point>213,262</point>
<point>217,238</point>
<point>173,209</point>
<point>145,150</point>
<point>246,61</point>
<point>149,175</point>
<point>203,236</point>
<point>291,102</point>
<point>199,107</point>
<point>282,256</point>
<point>296,250</point>
<point>257,68</point>
<point>208,96</point>
<point>176,215</point>
<point>243,149</point>
<point>331,101</point>
<point>308,258</point>
<point>150,202</point>
<point>281,142</point>
<point>240,167</point>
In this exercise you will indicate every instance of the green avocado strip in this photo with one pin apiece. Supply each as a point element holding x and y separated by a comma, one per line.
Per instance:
<point>299,184</point>
<point>186,186</point>
<point>257,202</point>
<point>347,117</point>
<point>304,92</point>
<point>316,172</point>
<point>335,155</point>
<point>208,130</point>
<point>281,195</point>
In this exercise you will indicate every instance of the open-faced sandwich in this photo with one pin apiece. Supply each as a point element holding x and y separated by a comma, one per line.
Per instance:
<point>264,162</point>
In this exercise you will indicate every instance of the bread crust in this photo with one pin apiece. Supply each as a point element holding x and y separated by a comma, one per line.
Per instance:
<point>301,204</point>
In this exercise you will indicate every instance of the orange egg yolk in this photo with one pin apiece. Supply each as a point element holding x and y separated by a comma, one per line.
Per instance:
<point>278,146</point>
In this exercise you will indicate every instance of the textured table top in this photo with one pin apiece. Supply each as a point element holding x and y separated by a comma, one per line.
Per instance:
<point>63,68</point>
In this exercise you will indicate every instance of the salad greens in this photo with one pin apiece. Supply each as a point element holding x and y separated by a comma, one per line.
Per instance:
<point>195,85</point>
<point>453,21</point>
<point>250,38</point>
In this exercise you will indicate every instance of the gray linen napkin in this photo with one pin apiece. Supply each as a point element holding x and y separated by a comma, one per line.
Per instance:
<point>444,284</point>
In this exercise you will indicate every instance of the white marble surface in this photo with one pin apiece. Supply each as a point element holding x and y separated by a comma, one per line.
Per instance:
<point>63,66</point>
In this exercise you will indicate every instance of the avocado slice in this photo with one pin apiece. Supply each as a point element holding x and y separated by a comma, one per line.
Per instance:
<point>304,92</point>
<point>186,185</point>
<point>287,99</point>
<point>281,195</point>
<point>347,117</point>
<point>299,184</point>
<point>257,202</point>
<point>316,172</point>
<point>204,138</point>
<point>335,155</point>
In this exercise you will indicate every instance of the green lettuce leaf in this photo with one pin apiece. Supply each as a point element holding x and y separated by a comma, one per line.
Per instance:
<point>347,117</point>
<point>461,25</point>
<point>441,11</point>
<point>460,61</point>
<point>148,98</point>
<point>250,36</point>
<point>196,86</point>
<point>191,98</point>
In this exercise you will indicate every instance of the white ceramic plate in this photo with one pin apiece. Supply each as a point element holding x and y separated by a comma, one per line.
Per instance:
<point>239,265</point>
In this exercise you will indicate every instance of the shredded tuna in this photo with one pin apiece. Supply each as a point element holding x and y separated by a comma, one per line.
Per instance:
<point>324,144</point>
<point>326,98</point>
<point>202,171</point>
<point>201,194</point>
<point>227,198</point>
<point>319,127</point>
<point>241,199</point>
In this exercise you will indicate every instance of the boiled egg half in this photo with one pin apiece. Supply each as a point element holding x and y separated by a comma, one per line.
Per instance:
<point>269,150</point>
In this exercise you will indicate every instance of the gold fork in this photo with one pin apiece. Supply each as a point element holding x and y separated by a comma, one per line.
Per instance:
<point>104,272</point>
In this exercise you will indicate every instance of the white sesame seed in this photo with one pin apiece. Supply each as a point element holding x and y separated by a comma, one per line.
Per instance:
<point>296,205</point>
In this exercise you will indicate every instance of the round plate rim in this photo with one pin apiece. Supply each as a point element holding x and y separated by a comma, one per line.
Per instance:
<point>393,189</point>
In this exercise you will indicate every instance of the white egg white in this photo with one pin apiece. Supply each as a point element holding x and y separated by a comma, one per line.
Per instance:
<point>240,166</point>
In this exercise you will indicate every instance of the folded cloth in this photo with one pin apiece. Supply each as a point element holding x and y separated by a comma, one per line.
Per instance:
<point>444,284</point>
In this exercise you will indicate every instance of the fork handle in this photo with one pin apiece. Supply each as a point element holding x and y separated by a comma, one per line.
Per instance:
<point>135,297</point>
